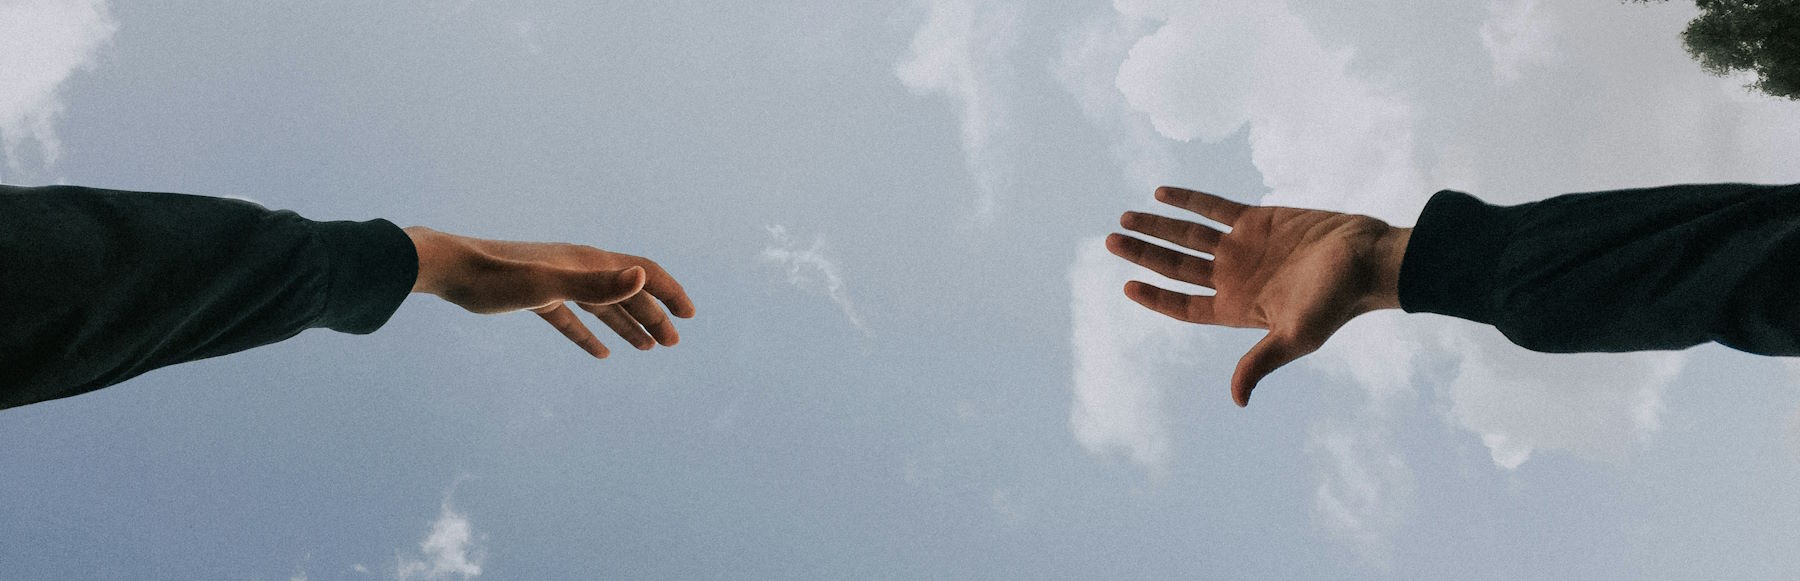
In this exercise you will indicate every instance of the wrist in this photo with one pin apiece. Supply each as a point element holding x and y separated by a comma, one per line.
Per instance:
<point>1390,251</point>
<point>437,252</point>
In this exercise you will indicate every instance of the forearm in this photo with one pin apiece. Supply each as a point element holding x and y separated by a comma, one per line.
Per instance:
<point>98,286</point>
<point>437,251</point>
<point>1661,268</point>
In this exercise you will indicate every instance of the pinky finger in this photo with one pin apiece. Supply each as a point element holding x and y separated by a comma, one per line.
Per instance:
<point>570,326</point>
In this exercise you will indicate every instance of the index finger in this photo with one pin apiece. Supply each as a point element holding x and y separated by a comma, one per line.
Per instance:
<point>665,289</point>
<point>1220,209</point>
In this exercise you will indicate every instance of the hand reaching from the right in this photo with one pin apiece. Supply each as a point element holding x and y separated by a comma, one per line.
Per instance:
<point>1300,274</point>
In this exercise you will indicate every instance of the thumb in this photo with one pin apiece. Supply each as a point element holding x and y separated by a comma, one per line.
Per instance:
<point>1265,357</point>
<point>605,287</point>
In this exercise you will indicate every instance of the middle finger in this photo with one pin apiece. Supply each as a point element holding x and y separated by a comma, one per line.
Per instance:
<point>1176,265</point>
<point>1192,235</point>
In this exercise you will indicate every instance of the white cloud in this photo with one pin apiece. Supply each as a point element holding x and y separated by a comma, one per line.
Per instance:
<point>42,43</point>
<point>961,52</point>
<point>811,269</point>
<point>1125,359</point>
<point>449,551</point>
<point>1598,406</point>
<point>1365,487</point>
<point>1321,137</point>
<point>1086,68</point>
<point>527,31</point>
<point>1516,35</point>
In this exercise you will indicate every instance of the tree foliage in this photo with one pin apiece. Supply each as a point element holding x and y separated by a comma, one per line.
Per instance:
<point>1758,36</point>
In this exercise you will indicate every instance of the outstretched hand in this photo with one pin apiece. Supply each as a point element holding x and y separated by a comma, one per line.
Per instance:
<point>497,276</point>
<point>1300,274</point>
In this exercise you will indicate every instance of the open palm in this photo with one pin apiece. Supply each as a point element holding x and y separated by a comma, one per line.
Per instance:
<point>1300,274</point>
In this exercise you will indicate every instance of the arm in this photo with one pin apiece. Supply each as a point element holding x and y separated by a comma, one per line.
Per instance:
<point>1629,270</point>
<point>99,286</point>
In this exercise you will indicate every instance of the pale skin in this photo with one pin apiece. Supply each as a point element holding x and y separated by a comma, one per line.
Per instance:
<point>631,295</point>
<point>1300,274</point>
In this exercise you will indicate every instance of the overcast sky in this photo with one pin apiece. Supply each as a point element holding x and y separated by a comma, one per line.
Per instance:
<point>912,359</point>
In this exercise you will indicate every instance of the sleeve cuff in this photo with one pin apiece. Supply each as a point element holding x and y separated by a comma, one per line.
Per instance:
<point>372,267</point>
<point>1451,258</point>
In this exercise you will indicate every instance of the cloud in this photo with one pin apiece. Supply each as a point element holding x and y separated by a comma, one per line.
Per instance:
<point>1088,63</point>
<point>1516,36</point>
<point>449,551</point>
<point>1321,137</point>
<point>1126,361</point>
<point>962,53</point>
<point>1598,406</point>
<point>1365,486</point>
<point>42,43</point>
<point>810,269</point>
<point>526,29</point>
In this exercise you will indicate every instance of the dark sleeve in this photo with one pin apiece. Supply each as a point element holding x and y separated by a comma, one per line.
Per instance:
<point>98,286</point>
<point>1629,270</point>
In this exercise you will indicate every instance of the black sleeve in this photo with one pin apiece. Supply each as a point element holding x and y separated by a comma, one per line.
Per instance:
<point>1629,270</point>
<point>98,286</point>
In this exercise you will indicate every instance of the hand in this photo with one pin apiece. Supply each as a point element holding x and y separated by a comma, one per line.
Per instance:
<point>1301,274</point>
<point>497,276</point>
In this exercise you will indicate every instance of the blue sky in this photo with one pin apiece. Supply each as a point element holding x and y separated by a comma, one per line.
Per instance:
<point>912,359</point>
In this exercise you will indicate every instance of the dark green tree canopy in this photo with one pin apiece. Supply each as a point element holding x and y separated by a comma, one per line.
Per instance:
<point>1760,36</point>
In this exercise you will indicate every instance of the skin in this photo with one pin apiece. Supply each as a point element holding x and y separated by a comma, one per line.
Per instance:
<point>1300,274</point>
<point>632,295</point>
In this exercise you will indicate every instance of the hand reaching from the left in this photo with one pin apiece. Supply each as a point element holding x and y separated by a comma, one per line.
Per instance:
<point>497,276</point>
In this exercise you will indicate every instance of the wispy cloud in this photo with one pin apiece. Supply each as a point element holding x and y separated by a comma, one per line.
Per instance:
<point>1121,363</point>
<point>450,550</point>
<point>809,268</point>
<point>42,43</point>
<point>962,53</point>
<point>1517,35</point>
<point>1598,406</point>
<point>1365,486</point>
<point>527,31</point>
<point>1086,69</point>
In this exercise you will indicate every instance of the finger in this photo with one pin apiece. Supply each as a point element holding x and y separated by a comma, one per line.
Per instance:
<point>621,322</point>
<point>1176,265</point>
<point>1196,236</point>
<point>603,287</point>
<point>1265,357</point>
<point>664,288</point>
<point>650,315</point>
<point>1211,206</point>
<point>1186,307</point>
<point>559,316</point>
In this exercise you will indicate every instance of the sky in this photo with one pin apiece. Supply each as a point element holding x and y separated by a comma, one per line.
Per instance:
<point>912,358</point>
